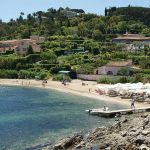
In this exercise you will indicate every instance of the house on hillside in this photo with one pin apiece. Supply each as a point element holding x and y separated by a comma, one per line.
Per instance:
<point>69,13</point>
<point>37,38</point>
<point>20,46</point>
<point>133,42</point>
<point>23,45</point>
<point>2,50</point>
<point>130,38</point>
<point>113,67</point>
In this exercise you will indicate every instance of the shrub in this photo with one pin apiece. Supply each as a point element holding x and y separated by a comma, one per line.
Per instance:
<point>10,74</point>
<point>123,72</point>
<point>61,77</point>
<point>24,74</point>
<point>43,75</point>
<point>49,56</point>
<point>138,78</point>
<point>115,80</point>
<point>107,81</point>
<point>33,58</point>
<point>124,80</point>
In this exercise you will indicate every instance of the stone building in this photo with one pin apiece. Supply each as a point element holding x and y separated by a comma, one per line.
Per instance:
<point>21,46</point>
<point>113,67</point>
<point>132,42</point>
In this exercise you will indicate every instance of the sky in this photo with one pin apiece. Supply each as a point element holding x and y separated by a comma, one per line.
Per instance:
<point>12,8</point>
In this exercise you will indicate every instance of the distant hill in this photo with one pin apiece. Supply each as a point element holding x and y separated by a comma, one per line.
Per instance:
<point>131,13</point>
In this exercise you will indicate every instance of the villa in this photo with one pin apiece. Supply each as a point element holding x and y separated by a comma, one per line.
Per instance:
<point>69,13</point>
<point>132,42</point>
<point>21,46</point>
<point>113,67</point>
<point>130,38</point>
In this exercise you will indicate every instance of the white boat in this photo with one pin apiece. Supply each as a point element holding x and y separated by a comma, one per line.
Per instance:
<point>95,111</point>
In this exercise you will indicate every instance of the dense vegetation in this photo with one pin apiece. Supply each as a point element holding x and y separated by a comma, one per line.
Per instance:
<point>86,37</point>
<point>131,13</point>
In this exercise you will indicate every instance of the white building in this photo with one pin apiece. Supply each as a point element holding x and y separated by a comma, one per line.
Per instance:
<point>132,42</point>
<point>113,67</point>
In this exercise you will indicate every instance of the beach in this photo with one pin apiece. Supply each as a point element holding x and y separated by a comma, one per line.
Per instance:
<point>74,87</point>
<point>35,103</point>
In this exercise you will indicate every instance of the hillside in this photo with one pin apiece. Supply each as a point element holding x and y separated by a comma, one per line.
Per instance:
<point>74,22</point>
<point>131,13</point>
<point>76,42</point>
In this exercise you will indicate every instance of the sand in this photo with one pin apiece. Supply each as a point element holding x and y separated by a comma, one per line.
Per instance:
<point>75,87</point>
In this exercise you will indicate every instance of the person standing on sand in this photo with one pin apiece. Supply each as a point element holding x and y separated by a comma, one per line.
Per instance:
<point>133,102</point>
<point>89,90</point>
<point>22,82</point>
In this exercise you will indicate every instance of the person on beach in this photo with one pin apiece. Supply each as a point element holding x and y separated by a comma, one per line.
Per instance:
<point>89,90</point>
<point>105,108</point>
<point>43,83</point>
<point>133,102</point>
<point>22,82</point>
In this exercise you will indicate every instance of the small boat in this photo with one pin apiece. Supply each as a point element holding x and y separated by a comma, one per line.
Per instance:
<point>95,111</point>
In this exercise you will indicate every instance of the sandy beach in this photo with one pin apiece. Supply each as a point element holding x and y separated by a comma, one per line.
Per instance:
<point>75,87</point>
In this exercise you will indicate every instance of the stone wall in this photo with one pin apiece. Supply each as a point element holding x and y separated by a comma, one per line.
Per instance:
<point>92,77</point>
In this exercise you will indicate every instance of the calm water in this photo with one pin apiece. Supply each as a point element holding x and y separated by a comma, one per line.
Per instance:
<point>30,117</point>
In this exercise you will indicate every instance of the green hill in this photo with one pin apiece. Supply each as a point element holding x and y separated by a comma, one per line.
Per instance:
<point>131,13</point>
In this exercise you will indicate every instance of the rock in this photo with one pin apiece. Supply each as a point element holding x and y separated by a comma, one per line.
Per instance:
<point>108,148</point>
<point>145,122</point>
<point>124,120</point>
<point>116,127</point>
<point>126,134</point>
<point>104,145</point>
<point>144,115</point>
<point>97,134</point>
<point>123,133</point>
<point>100,129</point>
<point>116,119</point>
<point>144,147</point>
<point>131,147</point>
<point>139,140</point>
<point>67,142</point>
<point>81,144</point>
<point>145,132</point>
<point>133,130</point>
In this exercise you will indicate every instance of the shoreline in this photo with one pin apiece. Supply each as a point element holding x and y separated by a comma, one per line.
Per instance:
<point>127,133</point>
<point>75,88</point>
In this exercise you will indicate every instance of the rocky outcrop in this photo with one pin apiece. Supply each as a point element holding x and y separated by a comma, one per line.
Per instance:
<point>68,142</point>
<point>128,133</point>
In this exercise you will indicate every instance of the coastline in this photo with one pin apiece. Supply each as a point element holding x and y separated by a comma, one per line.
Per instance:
<point>75,87</point>
<point>114,135</point>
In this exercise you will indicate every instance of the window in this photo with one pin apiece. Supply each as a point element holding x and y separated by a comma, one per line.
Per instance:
<point>17,49</point>
<point>24,49</point>
<point>109,73</point>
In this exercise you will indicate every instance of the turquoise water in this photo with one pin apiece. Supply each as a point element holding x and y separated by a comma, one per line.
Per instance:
<point>30,116</point>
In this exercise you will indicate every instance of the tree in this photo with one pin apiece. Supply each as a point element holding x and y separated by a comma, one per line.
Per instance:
<point>82,29</point>
<point>95,51</point>
<point>49,56</point>
<point>97,35</point>
<point>30,50</point>
<point>22,13</point>
<point>146,31</point>
<point>106,12</point>
<point>123,72</point>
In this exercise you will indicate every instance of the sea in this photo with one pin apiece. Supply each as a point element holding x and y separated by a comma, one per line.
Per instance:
<point>32,117</point>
